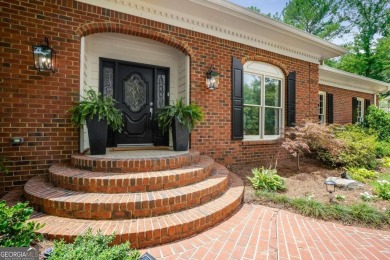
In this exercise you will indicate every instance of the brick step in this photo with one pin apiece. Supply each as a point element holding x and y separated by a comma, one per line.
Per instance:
<point>73,204</point>
<point>130,161</point>
<point>145,232</point>
<point>87,181</point>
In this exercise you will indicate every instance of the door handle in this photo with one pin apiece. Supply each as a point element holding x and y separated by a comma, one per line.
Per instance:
<point>151,113</point>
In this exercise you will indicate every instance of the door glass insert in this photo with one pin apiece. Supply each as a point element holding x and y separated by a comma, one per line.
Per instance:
<point>108,82</point>
<point>161,91</point>
<point>135,89</point>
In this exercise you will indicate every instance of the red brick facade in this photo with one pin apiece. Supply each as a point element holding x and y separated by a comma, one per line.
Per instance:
<point>342,103</point>
<point>34,104</point>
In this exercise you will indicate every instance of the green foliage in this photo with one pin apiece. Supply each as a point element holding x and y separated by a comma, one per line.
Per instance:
<point>3,169</point>
<point>340,197</point>
<point>386,162</point>
<point>188,115</point>
<point>361,174</point>
<point>379,121</point>
<point>360,148</point>
<point>382,189</point>
<point>15,230</point>
<point>96,104</point>
<point>367,56</point>
<point>91,247</point>
<point>267,179</point>
<point>318,17</point>
<point>364,214</point>
<point>382,149</point>
<point>310,208</point>
<point>357,213</point>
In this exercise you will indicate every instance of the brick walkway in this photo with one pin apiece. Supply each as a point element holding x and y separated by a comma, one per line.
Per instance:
<point>258,232</point>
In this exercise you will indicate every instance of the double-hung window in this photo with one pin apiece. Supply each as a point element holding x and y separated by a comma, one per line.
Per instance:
<point>322,107</point>
<point>360,110</point>
<point>263,101</point>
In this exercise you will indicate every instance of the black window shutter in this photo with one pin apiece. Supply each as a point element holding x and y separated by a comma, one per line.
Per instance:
<point>291,94</point>
<point>367,103</point>
<point>329,107</point>
<point>354,110</point>
<point>237,100</point>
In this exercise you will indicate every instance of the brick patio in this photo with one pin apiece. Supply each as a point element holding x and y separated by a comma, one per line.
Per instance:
<point>259,232</point>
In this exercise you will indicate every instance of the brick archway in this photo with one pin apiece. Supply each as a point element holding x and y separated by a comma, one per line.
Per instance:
<point>102,27</point>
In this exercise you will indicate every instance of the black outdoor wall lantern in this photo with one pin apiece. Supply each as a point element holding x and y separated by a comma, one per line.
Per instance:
<point>212,78</point>
<point>44,57</point>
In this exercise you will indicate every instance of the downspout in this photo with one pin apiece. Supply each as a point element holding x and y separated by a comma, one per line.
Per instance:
<point>82,63</point>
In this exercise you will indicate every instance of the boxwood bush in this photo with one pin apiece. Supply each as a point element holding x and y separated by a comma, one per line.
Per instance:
<point>15,229</point>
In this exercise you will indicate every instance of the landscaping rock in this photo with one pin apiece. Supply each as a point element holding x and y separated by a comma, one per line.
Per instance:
<point>345,183</point>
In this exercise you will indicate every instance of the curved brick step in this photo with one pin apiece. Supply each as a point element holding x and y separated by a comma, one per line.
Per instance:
<point>147,232</point>
<point>72,204</point>
<point>87,181</point>
<point>126,163</point>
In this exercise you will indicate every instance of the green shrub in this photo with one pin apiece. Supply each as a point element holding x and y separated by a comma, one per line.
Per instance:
<point>382,149</point>
<point>91,247</point>
<point>360,148</point>
<point>15,230</point>
<point>361,174</point>
<point>386,162</point>
<point>267,179</point>
<point>382,189</point>
<point>378,120</point>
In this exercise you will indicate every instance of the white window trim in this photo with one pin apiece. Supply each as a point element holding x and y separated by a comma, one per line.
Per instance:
<point>278,75</point>
<point>361,109</point>
<point>323,94</point>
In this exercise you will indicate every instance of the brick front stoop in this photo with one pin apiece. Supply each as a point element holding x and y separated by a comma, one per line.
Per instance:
<point>149,201</point>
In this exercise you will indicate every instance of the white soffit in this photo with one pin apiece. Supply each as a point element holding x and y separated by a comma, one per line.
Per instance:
<point>345,80</point>
<point>229,21</point>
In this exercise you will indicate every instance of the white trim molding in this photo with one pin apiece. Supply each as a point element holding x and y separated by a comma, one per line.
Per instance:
<point>226,20</point>
<point>340,79</point>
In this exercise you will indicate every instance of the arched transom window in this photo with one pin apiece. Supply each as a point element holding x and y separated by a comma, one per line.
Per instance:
<point>263,101</point>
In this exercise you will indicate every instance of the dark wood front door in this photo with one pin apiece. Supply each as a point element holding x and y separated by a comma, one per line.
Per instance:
<point>139,91</point>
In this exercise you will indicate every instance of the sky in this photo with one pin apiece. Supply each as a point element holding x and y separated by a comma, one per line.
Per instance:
<point>266,6</point>
<point>273,6</point>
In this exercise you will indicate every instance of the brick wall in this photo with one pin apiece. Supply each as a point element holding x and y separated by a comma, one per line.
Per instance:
<point>34,104</point>
<point>342,103</point>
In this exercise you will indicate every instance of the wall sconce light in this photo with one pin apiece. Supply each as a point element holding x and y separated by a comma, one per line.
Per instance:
<point>44,57</point>
<point>212,78</point>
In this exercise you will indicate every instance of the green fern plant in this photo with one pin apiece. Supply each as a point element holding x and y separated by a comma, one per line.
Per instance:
<point>188,115</point>
<point>95,104</point>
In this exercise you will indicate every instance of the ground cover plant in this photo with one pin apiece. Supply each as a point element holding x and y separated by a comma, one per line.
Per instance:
<point>91,247</point>
<point>15,229</point>
<point>359,213</point>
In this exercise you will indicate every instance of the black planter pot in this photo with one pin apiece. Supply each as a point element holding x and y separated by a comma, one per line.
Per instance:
<point>97,134</point>
<point>181,136</point>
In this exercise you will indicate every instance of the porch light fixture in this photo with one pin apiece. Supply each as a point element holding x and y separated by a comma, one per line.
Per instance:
<point>330,187</point>
<point>44,57</point>
<point>212,78</point>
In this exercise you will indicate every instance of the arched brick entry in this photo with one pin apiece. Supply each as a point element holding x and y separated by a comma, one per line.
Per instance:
<point>102,27</point>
